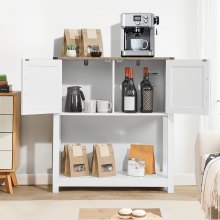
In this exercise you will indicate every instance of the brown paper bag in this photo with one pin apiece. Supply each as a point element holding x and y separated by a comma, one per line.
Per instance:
<point>65,162</point>
<point>103,161</point>
<point>91,38</point>
<point>75,161</point>
<point>146,153</point>
<point>72,36</point>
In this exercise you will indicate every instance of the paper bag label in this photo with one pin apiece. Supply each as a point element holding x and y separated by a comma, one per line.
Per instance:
<point>92,33</point>
<point>77,151</point>
<point>74,34</point>
<point>104,151</point>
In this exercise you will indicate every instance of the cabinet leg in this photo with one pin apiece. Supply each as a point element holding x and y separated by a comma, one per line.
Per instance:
<point>14,179</point>
<point>170,189</point>
<point>8,183</point>
<point>55,188</point>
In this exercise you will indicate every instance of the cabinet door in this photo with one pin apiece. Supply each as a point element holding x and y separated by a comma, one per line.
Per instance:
<point>41,87</point>
<point>187,86</point>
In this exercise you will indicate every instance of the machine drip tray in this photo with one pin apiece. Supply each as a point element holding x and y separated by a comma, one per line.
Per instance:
<point>137,53</point>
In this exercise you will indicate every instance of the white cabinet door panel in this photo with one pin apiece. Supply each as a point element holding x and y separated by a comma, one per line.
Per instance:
<point>41,87</point>
<point>6,105</point>
<point>6,123</point>
<point>5,141</point>
<point>6,160</point>
<point>187,86</point>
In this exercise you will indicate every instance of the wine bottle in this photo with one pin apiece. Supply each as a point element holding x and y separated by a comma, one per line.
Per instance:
<point>145,72</point>
<point>130,96</point>
<point>146,94</point>
<point>124,85</point>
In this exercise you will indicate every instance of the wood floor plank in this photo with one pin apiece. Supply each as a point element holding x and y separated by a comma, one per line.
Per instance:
<point>184,193</point>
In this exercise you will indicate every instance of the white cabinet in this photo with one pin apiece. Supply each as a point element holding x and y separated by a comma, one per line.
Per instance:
<point>10,111</point>
<point>179,87</point>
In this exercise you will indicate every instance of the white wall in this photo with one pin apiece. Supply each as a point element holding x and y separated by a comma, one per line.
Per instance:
<point>29,29</point>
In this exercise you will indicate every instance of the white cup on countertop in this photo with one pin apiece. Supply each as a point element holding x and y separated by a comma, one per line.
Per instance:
<point>90,106</point>
<point>103,106</point>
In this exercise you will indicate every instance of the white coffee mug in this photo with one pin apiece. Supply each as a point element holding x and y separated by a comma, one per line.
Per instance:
<point>90,106</point>
<point>103,106</point>
<point>138,44</point>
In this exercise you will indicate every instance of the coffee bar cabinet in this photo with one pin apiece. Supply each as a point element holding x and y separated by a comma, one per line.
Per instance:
<point>10,111</point>
<point>180,86</point>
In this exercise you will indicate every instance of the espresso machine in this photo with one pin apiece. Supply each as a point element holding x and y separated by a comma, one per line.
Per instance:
<point>138,34</point>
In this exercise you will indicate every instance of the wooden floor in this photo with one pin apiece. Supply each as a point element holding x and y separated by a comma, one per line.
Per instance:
<point>44,193</point>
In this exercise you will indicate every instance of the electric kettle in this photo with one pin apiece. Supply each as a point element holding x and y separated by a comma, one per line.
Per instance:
<point>74,99</point>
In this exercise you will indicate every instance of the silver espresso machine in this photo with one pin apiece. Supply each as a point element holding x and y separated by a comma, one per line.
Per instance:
<point>138,34</point>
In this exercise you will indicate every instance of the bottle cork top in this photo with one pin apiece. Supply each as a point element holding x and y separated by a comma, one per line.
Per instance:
<point>146,70</point>
<point>127,71</point>
<point>131,73</point>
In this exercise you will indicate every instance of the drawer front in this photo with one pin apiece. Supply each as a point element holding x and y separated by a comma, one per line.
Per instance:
<point>6,105</point>
<point>5,141</point>
<point>6,160</point>
<point>6,122</point>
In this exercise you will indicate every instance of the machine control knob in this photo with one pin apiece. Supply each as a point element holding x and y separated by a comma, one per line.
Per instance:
<point>137,23</point>
<point>145,20</point>
<point>156,20</point>
<point>146,17</point>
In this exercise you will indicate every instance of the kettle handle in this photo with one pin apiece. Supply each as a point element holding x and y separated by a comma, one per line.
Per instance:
<point>82,95</point>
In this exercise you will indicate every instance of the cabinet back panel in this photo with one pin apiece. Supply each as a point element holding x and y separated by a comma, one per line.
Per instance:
<point>158,82</point>
<point>95,79</point>
<point>119,131</point>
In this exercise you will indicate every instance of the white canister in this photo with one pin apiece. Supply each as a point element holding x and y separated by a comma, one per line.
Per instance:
<point>71,53</point>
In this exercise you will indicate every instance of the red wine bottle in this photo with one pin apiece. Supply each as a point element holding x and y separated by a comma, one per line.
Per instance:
<point>124,85</point>
<point>130,96</point>
<point>146,94</point>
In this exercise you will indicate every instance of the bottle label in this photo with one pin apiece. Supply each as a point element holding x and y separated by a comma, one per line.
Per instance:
<point>147,100</point>
<point>129,103</point>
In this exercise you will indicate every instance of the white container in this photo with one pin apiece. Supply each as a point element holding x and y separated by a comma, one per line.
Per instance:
<point>71,53</point>
<point>136,167</point>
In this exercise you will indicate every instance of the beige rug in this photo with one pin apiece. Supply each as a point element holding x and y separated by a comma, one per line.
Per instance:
<point>69,209</point>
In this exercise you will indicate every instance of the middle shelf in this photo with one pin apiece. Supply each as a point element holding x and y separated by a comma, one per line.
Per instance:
<point>102,81</point>
<point>115,114</point>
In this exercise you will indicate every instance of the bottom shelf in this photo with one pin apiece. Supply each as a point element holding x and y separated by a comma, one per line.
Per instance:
<point>120,180</point>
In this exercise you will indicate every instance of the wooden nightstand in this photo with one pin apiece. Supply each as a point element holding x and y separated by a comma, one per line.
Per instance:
<point>10,114</point>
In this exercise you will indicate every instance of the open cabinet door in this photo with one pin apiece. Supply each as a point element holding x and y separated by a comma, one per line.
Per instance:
<point>41,87</point>
<point>187,86</point>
